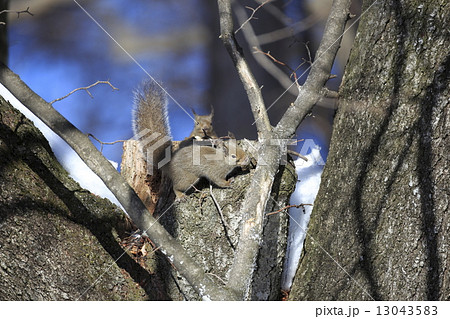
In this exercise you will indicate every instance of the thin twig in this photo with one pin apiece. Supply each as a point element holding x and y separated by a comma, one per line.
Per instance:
<point>86,88</point>
<point>289,206</point>
<point>298,155</point>
<point>224,223</point>
<point>252,15</point>
<point>18,13</point>
<point>293,72</point>
<point>276,12</point>
<point>309,52</point>
<point>223,281</point>
<point>105,143</point>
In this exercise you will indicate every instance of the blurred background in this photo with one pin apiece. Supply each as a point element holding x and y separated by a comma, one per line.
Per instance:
<point>60,48</point>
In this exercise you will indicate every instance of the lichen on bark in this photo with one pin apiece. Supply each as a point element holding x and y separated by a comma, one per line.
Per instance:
<point>379,224</point>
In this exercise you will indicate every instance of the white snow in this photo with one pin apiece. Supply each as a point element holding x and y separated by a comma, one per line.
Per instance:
<point>70,160</point>
<point>309,174</point>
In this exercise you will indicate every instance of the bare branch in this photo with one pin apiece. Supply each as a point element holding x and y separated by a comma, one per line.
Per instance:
<point>288,31</point>
<point>18,13</point>
<point>265,62</point>
<point>312,89</point>
<point>105,143</point>
<point>287,207</point>
<point>224,222</point>
<point>248,80</point>
<point>298,155</point>
<point>252,15</point>
<point>86,88</point>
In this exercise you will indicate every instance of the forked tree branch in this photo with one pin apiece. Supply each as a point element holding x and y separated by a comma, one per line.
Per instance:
<point>81,144</point>
<point>314,87</point>
<point>18,13</point>
<point>258,193</point>
<point>86,88</point>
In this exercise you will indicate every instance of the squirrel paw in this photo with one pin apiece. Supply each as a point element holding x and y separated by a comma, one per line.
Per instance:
<point>230,181</point>
<point>181,199</point>
<point>180,196</point>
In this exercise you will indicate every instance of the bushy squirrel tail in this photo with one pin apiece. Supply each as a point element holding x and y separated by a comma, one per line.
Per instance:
<point>151,123</point>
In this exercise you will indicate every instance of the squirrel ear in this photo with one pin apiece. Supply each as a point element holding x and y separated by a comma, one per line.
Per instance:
<point>217,142</point>
<point>225,148</point>
<point>212,111</point>
<point>193,112</point>
<point>231,135</point>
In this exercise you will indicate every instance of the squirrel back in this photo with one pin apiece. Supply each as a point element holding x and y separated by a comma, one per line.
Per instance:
<point>196,161</point>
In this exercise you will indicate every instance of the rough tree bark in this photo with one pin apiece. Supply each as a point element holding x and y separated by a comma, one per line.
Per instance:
<point>210,234</point>
<point>58,241</point>
<point>380,223</point>
<point>207,225</point>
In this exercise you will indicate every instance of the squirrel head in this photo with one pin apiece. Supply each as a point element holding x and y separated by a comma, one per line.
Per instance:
<point>234,154</point>
<point>203,127</point>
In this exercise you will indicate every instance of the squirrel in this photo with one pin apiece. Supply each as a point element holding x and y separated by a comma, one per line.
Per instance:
<point>189,163</point>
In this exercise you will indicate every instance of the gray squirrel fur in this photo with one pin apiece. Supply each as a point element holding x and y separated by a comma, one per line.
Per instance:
<point>190,163</point>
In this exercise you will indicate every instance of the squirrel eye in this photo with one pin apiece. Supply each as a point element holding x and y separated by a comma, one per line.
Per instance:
<point>233,155</point>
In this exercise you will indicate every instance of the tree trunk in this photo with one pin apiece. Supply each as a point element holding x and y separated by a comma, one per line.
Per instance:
<point>58,241</point>
<point>380,225</point>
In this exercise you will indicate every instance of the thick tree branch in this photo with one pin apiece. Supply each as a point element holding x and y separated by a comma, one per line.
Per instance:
<point>254,210</point>
<point>248,80</point>
<point>118,186</point>
<point>312,89</point>
<point>258,193</point>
